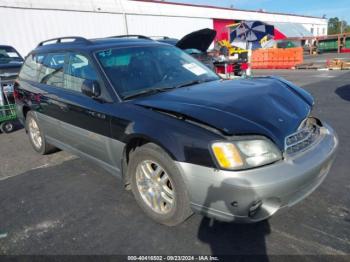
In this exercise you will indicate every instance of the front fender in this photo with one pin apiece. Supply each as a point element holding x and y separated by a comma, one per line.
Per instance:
<point>182,140</point>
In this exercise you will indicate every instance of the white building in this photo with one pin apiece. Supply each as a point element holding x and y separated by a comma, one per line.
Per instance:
<point>24,23</point>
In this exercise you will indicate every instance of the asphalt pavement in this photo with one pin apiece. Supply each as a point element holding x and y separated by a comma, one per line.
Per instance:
<point>61,204</point>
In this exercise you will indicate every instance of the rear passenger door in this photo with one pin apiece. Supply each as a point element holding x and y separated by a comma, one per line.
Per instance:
<point>84,121</point>
<point>50,77</point>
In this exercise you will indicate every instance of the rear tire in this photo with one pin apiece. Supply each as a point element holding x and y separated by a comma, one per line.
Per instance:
<point>37,136</point>
<point>164,197</point>
<point>7,127</point>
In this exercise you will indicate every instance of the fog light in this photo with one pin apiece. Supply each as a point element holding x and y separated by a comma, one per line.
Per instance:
<point>254,208</point>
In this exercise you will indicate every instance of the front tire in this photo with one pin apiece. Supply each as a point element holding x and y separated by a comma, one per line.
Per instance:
<point>36,135</point>
<point>158,186</point>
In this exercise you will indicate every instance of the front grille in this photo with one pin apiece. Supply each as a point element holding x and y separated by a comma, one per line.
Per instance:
<point>308,133</point>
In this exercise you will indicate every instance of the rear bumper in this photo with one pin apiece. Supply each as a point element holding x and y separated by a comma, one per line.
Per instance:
<point>230,195</point>
<point>7,81</point>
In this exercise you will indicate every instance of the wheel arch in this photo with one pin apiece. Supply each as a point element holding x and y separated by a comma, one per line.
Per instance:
<point>138,140</point>
<point>25,111</point>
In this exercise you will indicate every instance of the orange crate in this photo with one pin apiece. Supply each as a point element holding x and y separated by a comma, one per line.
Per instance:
<point>277,58</point>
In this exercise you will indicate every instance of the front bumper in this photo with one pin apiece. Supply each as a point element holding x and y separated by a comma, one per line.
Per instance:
<point>230,195</point>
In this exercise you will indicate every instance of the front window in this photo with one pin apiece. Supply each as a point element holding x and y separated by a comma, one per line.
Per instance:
<point>8,55</point>
<point>138,69</point>
<point>79,70</point>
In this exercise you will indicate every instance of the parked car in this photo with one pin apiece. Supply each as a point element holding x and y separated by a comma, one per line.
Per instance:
<point>196,44</point>
<point>10,64</point>
<point>180,138</point>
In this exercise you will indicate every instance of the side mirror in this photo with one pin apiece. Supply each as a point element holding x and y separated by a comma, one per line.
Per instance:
<point>91,88</point>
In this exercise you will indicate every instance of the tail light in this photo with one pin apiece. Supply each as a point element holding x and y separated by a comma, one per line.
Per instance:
<point>16,93</point>
<point>37,98</point>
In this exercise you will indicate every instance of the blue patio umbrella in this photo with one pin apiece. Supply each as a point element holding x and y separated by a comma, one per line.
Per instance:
<point>252,31</point>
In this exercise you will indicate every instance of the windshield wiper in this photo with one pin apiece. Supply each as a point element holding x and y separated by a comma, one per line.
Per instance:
<point>148,91</point>
<point>195,82</point>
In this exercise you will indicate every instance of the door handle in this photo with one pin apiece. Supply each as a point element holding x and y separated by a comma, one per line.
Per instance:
<point>96,114</point>
<point>63,107</point>
<point>59,104</point>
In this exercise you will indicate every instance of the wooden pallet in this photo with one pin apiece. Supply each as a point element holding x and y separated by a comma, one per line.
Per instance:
<point>337,64</point>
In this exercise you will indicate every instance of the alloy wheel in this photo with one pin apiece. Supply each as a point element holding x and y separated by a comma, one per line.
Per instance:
<point>155,187</point>
<point>34,133</point>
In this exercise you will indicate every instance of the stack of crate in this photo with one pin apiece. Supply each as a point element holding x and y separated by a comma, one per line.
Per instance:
<point>277,58</point>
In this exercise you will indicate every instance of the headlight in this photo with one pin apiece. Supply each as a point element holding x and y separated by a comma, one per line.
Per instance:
<point>227,155</point>
<point>237,155</point>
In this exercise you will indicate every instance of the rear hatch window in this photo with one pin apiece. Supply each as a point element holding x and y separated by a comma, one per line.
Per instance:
<point>9,55</point>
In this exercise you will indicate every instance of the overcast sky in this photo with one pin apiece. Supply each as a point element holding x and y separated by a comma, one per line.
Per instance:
<point>331,8</point>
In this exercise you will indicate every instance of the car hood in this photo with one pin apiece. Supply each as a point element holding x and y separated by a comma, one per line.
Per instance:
<point>200,40</point>
<point>260,106</point>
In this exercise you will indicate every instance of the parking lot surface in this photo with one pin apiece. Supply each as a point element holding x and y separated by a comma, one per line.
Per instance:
<point>61,204</point>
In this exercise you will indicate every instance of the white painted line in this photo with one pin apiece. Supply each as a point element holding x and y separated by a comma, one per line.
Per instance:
<point>42,166</point>
<point>325,76</point>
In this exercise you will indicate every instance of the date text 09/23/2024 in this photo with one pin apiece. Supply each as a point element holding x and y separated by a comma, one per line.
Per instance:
<point>173,258</point>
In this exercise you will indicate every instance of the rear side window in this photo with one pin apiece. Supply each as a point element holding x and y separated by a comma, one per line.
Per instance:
<point>31,67</point>
<point>78,70</point>
<point>51,71</point>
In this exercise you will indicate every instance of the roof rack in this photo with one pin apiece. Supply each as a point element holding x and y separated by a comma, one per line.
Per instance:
<point>159,37</point>
<point>75,39</point>
<point>131,36</point>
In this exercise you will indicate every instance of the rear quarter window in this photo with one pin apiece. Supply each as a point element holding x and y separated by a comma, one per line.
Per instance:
<point>31,67</point>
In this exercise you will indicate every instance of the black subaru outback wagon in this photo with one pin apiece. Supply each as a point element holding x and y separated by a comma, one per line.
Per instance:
<point>180,138</point>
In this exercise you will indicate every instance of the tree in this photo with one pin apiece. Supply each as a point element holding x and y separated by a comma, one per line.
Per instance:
<point>337,26</point>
